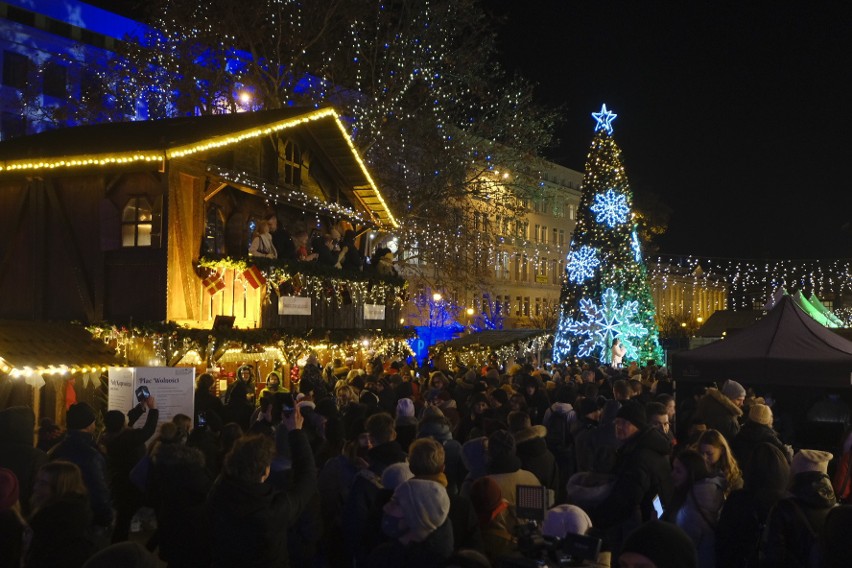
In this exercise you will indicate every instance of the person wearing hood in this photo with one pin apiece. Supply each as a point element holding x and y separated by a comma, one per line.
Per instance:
<point>475,460</point>
<point>416,520</point>
<point>794,525</point>
<point>17,452</point>
<point>756,430</point>
<point>472,422</point>
<point>245,377</point>
<point>531,449</point>
<point>536,398</point>
<point>249,517</point>
<point>642,472</point>
<point>273,384</point>
<point>504,467</point>
<point>406,422</point>
<point>589,417</point>
<point>436,426</point>
<point>721,410</point>
<point>238,409</point>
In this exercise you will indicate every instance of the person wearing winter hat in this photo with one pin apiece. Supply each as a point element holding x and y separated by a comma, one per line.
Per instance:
<point>504,467</point>
<point>79,448</point>
<point>721,410</point>
<point>416,521</point>
<point>565,519</point>
<point>657,544</point>
<point>492,513</point>
<point>642,471</point>
<point>406,422</point>
<point>756,430</point>
<point>395,475</point>
<point>795,521</point>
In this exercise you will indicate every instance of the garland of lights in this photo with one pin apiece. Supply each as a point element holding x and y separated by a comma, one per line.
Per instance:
<point>319,282</point>
<point>473,356</point>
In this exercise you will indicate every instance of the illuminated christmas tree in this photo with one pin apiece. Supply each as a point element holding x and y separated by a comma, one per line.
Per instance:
<point>605,291</point>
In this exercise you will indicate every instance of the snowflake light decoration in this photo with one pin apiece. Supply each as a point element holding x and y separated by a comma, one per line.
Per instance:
<point>582,264</point>
<point>562,342</point>
<point>610,208</point>
<point>636,246</point>
<point>604,322</point>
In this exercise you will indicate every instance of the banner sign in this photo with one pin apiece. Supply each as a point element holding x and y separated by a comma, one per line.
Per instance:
<point>294,306</point>
<point>173,387</point>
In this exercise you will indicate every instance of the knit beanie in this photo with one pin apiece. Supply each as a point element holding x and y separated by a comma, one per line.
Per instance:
<point>587,406</point>
<point>810,460</point>
<point>733,390</point>
<point>474,454</point>
<point>664,544</point>
<point>634,413</point>
<point>761,414</point>
<point>565,519</point>
<point>404,407</point>
<point>425,505</point>
<point>501,443</point>
<point>9,489</point>
<point>79,416</point>
<point>486,498</point>
<point>395,475</point>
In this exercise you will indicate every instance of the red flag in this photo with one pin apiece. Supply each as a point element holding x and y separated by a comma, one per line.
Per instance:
<point>213,283</point>
<point>254,277</point>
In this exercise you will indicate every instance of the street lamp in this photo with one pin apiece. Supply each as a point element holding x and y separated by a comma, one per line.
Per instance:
<point>436,297</point>
<point>469,312</point>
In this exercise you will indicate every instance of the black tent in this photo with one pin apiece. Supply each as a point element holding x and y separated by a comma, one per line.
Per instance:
<point>785,348</point>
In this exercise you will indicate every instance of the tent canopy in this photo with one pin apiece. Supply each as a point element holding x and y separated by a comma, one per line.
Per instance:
<point>787,347</point>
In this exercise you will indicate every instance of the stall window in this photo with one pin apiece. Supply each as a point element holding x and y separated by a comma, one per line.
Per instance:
<point>290,165</point>
<point>214,231</point>
<point>136,223</point>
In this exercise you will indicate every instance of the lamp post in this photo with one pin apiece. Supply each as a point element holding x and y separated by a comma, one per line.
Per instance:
<point>469,312</point>
<point>436,297</point>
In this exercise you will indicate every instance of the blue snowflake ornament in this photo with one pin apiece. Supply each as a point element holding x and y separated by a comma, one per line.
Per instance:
<point>604,322</point>
<point>582,264</point>
<point>562,342</point>
<point>610,208</point>
<point>636,246</point>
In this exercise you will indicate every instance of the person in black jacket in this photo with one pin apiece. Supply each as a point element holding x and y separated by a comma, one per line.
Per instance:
<point>250,516</point>
<point>532,450</point>
<point>79,448</point>
<point>205,401</point>
<point>125,446</point>
<point>756,430</point>
<point>642,471</point>
<point>17,452</point>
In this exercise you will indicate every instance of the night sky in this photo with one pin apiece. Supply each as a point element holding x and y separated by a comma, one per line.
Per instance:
<point>738,114</point>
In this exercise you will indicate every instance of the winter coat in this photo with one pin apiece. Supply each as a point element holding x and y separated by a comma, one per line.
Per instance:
<point>406,430</point>
<point>698,518</point>
<point>124,449</point>
<point>642,472</point>
<point>178,488</point>
<point>60,533</point>
<point>79,447</point>
<point>207,402</point>
<point>430,553</point>
<point>17,452</point>
<point>454,467</point>
<point>532,450</point>
<point>740,528</point>
<point>250,520</point>
<point>795,521</point>
<point>749,437</point>
<point>359,536</point>
<point>720,413</point>
<point>507,473</point>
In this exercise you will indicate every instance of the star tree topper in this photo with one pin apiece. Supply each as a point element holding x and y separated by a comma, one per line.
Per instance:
<point>604,118</point>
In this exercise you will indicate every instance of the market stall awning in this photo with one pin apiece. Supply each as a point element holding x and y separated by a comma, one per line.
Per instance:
<point>51,348</point>
<point>494,338</point>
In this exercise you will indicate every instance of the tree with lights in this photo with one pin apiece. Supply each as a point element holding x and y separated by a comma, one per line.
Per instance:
<point>605,290</point>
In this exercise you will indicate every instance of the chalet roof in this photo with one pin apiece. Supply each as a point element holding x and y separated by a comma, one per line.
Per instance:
<point>115,143</point>
<point>42,345</point>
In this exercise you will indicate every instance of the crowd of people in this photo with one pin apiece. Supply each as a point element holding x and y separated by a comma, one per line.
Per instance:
<point>393,466</point>
<point>326,248</point>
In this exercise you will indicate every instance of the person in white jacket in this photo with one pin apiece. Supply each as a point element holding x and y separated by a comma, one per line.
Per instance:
<point>618,352</point>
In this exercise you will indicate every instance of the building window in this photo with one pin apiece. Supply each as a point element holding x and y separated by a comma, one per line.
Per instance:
<point>15,69</point>
<point>562,237</point>
<point>544,235</point>
<point>519,309</point>
<point>527,306</point>
<point>538,307</point>
<point>290,166</point>
<point>524,269</point>
<point>571,212</point>
<point>553,272</point>
<point>136,223</point>
<point>555,235</point>
<point>214,231</point>
<point>536,232</point>
<point>55,81</point>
